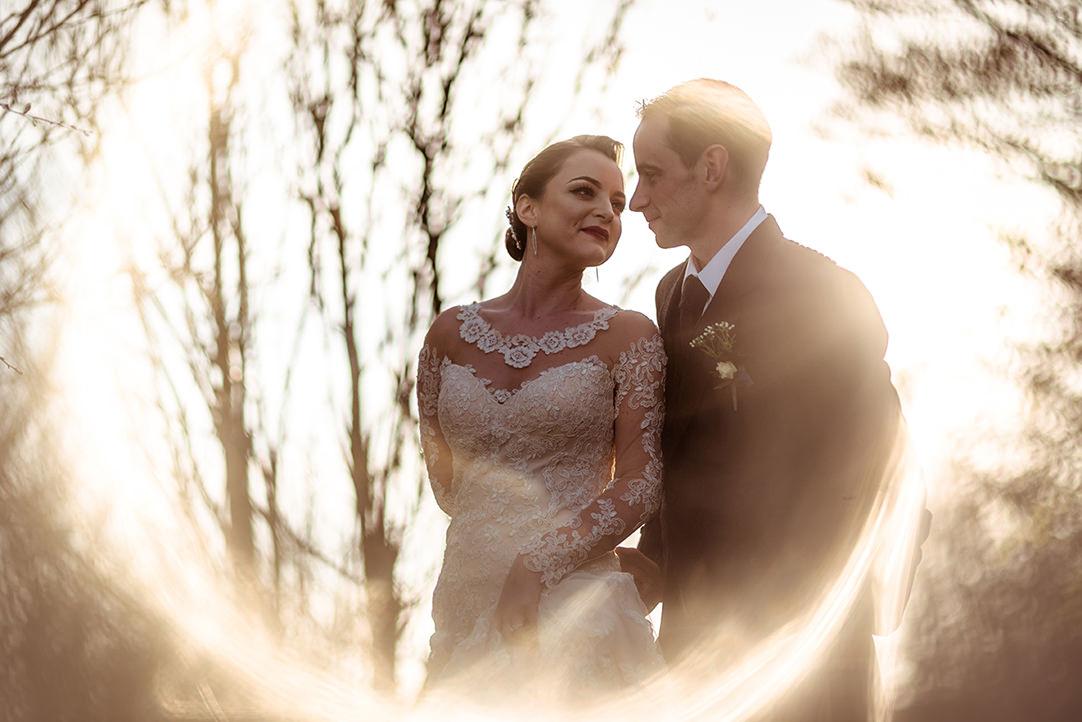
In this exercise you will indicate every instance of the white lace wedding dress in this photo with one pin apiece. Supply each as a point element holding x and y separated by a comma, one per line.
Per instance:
<point>561,468</point>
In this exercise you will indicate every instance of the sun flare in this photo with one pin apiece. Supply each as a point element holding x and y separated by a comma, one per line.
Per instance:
<point>920,237</point>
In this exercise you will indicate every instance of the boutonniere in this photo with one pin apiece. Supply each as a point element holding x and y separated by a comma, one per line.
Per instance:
<point>718,341</point>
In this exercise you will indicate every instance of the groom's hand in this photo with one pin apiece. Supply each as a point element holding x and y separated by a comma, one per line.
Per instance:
<point>646,573</point>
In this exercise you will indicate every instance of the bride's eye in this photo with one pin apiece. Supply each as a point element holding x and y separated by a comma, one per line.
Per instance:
<point>584,191</point>
<point>618,207</point>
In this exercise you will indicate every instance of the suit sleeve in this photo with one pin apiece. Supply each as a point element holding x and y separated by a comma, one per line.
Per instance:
<point>650,540</point>
<point>846,421</point>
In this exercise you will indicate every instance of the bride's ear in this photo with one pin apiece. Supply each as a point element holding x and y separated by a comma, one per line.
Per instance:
<point>526,209</point>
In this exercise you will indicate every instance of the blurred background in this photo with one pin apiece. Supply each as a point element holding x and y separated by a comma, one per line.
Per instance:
<point>225,227</point>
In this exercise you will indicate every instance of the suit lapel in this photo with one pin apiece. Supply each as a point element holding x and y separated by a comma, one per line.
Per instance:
<point>746,275</point>
<point>668,303</point>
<point>669,300</point>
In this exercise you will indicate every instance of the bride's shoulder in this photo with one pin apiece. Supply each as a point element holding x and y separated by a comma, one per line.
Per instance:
<point>444,330</point>
<point>632,325</point>
<point>631,334</point>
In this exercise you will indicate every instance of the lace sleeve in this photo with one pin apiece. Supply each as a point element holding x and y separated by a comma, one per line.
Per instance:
<point>436,452</point>
<point>634,494</point>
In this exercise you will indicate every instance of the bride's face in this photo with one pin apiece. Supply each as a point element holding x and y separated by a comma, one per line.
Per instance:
<point>577,218</point>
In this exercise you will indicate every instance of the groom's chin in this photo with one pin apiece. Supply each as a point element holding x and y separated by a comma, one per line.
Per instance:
<point>659,239</point>
<point>665,240</point>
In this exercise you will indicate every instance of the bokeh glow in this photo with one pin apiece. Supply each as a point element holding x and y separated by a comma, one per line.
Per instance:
<point>944,335</point>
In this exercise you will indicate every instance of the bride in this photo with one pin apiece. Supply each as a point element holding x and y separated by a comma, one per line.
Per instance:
<point>540,415</point>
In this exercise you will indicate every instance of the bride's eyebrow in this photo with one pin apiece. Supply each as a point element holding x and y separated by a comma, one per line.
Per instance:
<point>594,182</point>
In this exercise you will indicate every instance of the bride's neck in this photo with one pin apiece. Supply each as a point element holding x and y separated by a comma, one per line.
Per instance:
<point>537,294</point>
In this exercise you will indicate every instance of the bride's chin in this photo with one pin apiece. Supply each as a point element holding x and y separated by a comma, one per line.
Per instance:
<point>586,265</point>
<point>600,258</point>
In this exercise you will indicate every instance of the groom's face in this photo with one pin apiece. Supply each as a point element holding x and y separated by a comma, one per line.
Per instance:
<point>668,193</point>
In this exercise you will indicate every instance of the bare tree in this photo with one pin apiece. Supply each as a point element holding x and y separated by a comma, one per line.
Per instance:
<point>386,98</point>
<point>206,267</point>
<point>58,60</point>
<point>75,644</point>
<point>998,623</point>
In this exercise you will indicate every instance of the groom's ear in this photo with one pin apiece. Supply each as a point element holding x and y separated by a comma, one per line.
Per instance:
<point>713,163</point>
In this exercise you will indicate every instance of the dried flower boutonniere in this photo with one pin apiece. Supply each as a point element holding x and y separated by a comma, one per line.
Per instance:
<point>717,341</point>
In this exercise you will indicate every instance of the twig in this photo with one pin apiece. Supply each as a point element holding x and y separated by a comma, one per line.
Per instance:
<point>4,361</point>
<point>307,547</point>
<point>25,112</point>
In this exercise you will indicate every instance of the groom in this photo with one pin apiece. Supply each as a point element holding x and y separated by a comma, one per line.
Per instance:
<point>781,418</point>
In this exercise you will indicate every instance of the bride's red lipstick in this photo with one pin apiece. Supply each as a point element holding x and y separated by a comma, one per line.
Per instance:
<point>597,231</point>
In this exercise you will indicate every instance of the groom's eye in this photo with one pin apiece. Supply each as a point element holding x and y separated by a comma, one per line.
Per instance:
<point>647,175</point>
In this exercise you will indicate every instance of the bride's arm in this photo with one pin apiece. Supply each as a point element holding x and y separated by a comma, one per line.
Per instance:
<point>635,491</point>
<point>436,452</point>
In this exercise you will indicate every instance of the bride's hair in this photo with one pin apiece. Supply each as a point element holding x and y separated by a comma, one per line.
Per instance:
<point>531,182</point>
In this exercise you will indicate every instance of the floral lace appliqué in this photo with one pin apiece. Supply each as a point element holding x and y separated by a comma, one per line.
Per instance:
<point>502,396</point>
<point>639,394</point>
<point>529,471</point>
<point>429,378</point>
<point>519,350</point>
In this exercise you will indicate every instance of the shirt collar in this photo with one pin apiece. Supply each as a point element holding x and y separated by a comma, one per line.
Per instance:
<point>715,268</point>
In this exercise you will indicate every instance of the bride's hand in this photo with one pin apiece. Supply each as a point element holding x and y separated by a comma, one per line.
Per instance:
<point>516,612</point>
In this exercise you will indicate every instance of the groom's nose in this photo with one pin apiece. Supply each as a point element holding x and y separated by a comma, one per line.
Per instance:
<point>638,199</point>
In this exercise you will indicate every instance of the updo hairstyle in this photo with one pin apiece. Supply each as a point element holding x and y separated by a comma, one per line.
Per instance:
<point>531,182</point>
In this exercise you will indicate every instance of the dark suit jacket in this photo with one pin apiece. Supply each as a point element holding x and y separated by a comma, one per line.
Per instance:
<point>764,498</point>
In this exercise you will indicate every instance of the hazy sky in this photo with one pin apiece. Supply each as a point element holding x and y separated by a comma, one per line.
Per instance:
<point>923,243</point>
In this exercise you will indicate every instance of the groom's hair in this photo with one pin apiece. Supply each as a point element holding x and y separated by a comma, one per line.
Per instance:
<point>706,112</point>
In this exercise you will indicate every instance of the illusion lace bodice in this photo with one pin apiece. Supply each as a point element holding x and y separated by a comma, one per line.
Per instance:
<point>559,468</point>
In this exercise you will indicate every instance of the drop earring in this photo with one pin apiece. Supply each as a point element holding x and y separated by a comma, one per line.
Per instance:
<point>533,231</point>
<point>597,275</point>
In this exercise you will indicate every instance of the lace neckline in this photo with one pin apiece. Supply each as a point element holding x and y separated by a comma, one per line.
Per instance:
<point>519,350</point>
<point>502,396</point>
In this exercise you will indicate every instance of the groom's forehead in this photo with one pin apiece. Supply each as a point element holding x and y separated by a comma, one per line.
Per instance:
<point>651,140</point>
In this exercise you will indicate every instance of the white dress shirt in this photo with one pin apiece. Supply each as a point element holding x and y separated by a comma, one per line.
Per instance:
<point>715,268</point>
